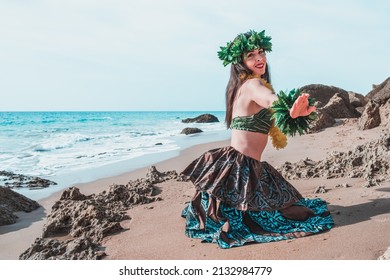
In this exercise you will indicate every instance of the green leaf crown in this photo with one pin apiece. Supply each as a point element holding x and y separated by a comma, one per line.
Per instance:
<point>243,43</point>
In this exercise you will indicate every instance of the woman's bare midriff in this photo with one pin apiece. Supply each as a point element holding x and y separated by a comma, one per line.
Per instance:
<point>251,144</point>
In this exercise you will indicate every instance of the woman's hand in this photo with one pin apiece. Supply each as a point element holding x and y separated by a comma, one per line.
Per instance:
<point>301,107</point>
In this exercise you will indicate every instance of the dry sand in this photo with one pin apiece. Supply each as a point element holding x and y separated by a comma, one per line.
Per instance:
<point>156,230</point>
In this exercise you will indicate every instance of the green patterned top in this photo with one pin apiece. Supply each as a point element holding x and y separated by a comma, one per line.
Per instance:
<point>260,122</point>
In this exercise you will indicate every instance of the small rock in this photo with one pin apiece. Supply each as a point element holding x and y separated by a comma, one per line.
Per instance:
<point>320,189</point>
<point>344,185</point>
<point>190,130</point>
<point>386,255</point>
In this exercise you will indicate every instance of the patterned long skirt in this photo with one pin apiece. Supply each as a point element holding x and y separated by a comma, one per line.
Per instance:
<point>239,199</point>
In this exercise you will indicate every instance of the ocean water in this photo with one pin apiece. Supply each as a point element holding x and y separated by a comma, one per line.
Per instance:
<point>73,147</point>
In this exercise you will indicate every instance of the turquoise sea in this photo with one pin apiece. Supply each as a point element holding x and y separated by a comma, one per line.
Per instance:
<point>73,147</point>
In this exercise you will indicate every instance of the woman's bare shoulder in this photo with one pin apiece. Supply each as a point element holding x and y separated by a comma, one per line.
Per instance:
<point>253,82</point>
<point>255,85</point>
<point>259,93</point>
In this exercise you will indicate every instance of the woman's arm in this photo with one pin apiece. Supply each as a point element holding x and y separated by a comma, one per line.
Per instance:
<point>265,97</point>
<point>260,94</point>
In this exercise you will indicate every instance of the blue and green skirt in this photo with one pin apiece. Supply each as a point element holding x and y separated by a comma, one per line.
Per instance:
<point>239,200</point>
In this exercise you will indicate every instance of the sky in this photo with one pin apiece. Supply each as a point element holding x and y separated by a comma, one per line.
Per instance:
<point>125,55</point>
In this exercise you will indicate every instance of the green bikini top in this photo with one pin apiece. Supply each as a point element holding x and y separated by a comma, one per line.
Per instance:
<point>260,122</point>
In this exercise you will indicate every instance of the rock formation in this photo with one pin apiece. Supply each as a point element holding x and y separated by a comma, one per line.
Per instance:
<point>10,202</point>
<point>78,223</point>
<point>204,118</point>
<point>13,180</point>
<point>377,111</point>
<point>335,103</point>
<point>370,161</point>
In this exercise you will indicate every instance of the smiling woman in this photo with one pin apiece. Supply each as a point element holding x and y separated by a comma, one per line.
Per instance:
<point>256,60</point>
<point>239,198</point>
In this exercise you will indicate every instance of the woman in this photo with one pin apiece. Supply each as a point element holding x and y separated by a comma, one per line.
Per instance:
<point>240,198</point>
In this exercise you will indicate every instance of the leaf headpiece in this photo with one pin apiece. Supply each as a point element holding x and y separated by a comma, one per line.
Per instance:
<point>243,43</point>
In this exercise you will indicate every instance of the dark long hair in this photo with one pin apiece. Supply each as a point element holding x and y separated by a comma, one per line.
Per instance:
<point>237,71</point>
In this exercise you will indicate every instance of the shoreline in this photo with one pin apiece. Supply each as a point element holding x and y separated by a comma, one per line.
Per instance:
<point>73,147</point>
<point>114,169</point>
<point>29,225</point>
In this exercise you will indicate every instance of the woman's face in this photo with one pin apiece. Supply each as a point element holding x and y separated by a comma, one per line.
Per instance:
<point>256,61</point>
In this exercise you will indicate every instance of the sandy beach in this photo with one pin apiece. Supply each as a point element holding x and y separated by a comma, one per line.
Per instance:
<point>156,230</point>
<point>110,112</point>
